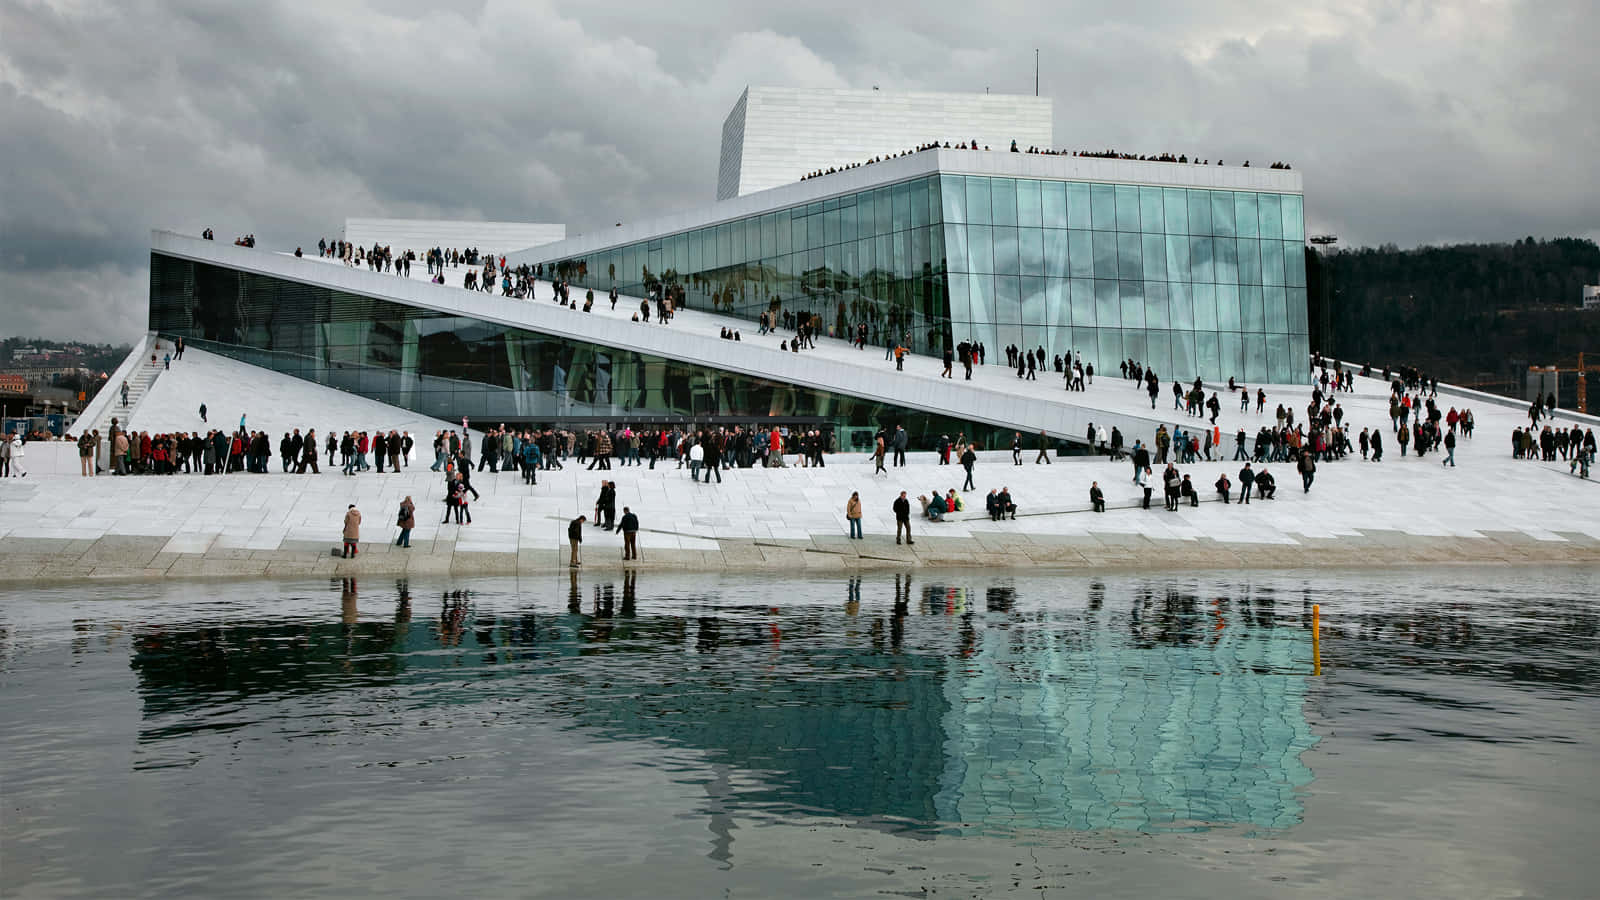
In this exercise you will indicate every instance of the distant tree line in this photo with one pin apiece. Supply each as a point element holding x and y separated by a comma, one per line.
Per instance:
<point>1464,312</point>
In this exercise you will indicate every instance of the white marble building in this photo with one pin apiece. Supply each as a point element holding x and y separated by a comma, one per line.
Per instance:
<point>417,234</point>
<point>774,135</point>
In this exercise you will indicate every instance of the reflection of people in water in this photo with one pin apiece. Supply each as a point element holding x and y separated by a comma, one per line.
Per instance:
<point>630,587</point>
<point>452,617</point>
<point>852,596</point>
<point>402,608</point>
<point>347,601</point>
<point>574,599</point>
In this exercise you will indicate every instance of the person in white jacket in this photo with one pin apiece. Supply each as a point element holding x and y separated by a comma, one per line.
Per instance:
<point>17,453</point>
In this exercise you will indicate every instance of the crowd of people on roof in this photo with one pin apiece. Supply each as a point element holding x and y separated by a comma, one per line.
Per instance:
<point>974,144</point>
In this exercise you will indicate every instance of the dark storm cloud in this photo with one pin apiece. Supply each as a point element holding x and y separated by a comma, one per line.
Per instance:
<point>1412,122</point>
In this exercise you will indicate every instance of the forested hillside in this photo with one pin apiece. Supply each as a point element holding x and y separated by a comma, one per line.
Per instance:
<point>1468,312</point>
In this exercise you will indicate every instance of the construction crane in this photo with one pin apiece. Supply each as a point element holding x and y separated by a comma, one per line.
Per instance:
<point>1581,371</point>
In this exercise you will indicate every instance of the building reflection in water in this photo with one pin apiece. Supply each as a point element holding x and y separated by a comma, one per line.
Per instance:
<point>916,704</point>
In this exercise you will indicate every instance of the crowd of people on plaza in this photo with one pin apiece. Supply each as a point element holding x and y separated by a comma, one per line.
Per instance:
<point>975,144</point>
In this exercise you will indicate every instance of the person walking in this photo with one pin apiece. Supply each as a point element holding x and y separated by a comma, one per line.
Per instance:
<point>877,456</point>
<point>1308,470</point>
<point>1044,449</point>
<point>1016,448</point>
<point>852,514</point>
<point>407,520</point>
<point>968,459</point>
<point>1449,448</point>
<point>630,534</point>
<point>352,531</point>
<point>902,518</point>
<point>575,539</point>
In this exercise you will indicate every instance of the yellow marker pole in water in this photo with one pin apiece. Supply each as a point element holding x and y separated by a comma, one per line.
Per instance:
<point>1316,639</point>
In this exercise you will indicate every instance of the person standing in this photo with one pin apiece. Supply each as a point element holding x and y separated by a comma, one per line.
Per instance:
<point>902,518</point>
<point>630,532</point>
<point>407,520</point>
<point>852,514</point>
<point>352,531</point>
<point>1016,448</point>
<point>575,539</point>
<point>1247,480</point>
<point>901,439</point>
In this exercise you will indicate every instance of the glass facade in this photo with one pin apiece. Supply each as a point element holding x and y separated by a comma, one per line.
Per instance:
<point>1187,281</point>
<point>451,366</point>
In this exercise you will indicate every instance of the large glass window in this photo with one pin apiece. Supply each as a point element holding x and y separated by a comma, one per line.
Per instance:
<point>1029,212</point>
<point>1222,213</point>
<point>1151,219</point>
<point>1003,192</point>
<point>1176,206</point>
<point>1132,293</point>
<point>1083,301</point>
<point>1154,255</point>
<point>1005,251</point>
<point>1055,252</point>
<point>1078,206</point>
<point>1293,218</point>
<point>1249,260</point>
<point>1272,263</point>
<point>1103,198</point>
<point>1156,308</point>
<point>1275,303</point>
<point>1271,213</point>
<point>980,248</point>
<point>1030,250</point>
<point>1053,202</point>
<point>1180,300</point>
<point>1251,312</point>
<point>1177,258</point>
<point>1199,212</point>
<point>953,191</point>
<point>1228,307</point>
<point>1127,207</point>
<point>1105,254</point>
<point>978,201</point>
<point>1245,215</point>
<point>1107,305</point>
<point>1129,262</point>
<point>1081,254</point>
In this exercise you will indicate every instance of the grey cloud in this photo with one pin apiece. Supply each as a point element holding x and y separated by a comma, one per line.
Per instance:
<point>1411,122</point>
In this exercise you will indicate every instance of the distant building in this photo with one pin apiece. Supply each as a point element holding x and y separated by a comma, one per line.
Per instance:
<point>1591,296</point>
<point>13,384</point>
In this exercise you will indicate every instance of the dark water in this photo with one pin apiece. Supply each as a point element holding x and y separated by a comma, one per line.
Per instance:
<point>955,735</point>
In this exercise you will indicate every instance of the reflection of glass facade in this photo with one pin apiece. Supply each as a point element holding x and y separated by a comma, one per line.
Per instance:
<point>1182,279</point>
<point>450,366</point>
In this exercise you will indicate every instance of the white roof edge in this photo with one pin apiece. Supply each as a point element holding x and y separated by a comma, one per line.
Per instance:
<point>996,163</point>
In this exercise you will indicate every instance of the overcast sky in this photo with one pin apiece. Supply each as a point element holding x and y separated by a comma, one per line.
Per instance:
<point>1413,122</point>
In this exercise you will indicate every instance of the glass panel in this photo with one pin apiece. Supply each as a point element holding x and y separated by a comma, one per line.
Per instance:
<point>1080,258</point>
<point>1057,302</point>
<point>902,206</point>
<point>1183,361</point>
<point>980,248</point>
<point>1110,351</point>
<point>1082,290</point>
<point>1251,315</point>
<point>1055,252</point>
<point>781,231</point>
<point>1127,207</point>
<point>1030,249</point>
<point>847,220</point>
<point>1249,260</point>
<point>934,206</point>
<point>1294,228</point>
<point>1005,250</point>
<point>830,226</point>
<point>1294,264</point>
<point>1129,265</point>
<point>1132,304</point>
<point>1103,197</point>
<point>956,241</point>
<point>1231,347</point>
<point>882,211</point>
<point>1279,369</point>
<point>1007,300</point>
<point>1271,213</point>
<point>1004,202</point>
<point>1272,262</point>
<point>768,236</point>
<point>1033,302</point>
<point>1150,210</point>
<point>953,191</point>
<point>1107,306</point>
<point>1227,260</point>
<point>1222,213</point>
<point>1199,212</point>
<point>1155,304</point>
<point>978,200</point>
<point>1176,203</point>
<point>797,232</point>
<point>1029,212</point>
<point>1078,206</point>
<point>1245,215</point>
<point>1105,254</point>
<point>960,302</point>
<point>1157,353</point>
<point>1299,357</point>
<point>1178,258</point>
<point>1227,307</point>
<point>1255,358</point>
<point>1133,347</point>
<point>1154,248</point>
<point>1277,309</point>
<point>1208,358</point>
<point>980,293</point>
<point>1297,310</point>
<point>1180,303</point>
<point>919,203</point>
<point>1200,262</point>
<point>1053,200</point>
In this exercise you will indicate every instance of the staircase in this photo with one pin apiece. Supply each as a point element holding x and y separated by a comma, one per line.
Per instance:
<point>140,381</point>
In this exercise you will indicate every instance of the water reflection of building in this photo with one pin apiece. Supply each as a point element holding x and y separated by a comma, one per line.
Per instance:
<point>939,710</point>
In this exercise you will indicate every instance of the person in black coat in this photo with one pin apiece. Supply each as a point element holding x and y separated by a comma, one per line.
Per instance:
<point>1097,497</point>
<point>902,518</point>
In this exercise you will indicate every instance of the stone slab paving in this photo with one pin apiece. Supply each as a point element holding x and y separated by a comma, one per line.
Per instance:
<point>1491,509</point>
